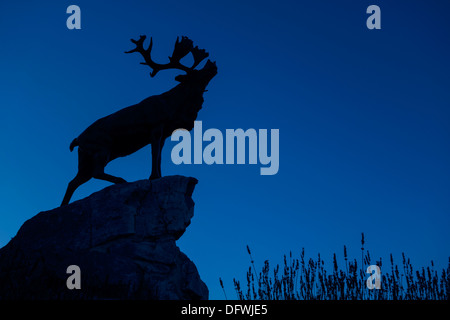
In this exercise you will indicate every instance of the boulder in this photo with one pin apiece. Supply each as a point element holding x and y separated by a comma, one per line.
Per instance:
<point>122,238</point>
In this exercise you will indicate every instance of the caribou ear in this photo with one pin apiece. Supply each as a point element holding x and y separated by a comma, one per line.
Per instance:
<point>181,78</point>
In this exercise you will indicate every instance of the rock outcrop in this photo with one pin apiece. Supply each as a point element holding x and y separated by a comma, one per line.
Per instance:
<point>122,238</point>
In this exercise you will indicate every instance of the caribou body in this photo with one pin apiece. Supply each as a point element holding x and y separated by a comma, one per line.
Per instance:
<point>150,121</point>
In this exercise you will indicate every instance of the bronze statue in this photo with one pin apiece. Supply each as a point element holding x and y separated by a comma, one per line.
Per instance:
<point>150,121</point>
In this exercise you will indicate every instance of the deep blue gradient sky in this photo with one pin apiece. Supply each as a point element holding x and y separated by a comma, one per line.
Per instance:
<point>363,118</point>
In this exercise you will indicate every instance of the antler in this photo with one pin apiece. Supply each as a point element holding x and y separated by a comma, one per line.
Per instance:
<point>182,48</point>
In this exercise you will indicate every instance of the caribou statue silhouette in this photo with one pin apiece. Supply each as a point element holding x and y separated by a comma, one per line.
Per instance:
<point>150,121</point>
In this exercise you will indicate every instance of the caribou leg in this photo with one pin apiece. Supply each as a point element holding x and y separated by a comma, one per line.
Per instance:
<point>73,185</point>
<point>160,156</point>
<point>100,161</point>
<point>83,175</point>
<point>157,145</point>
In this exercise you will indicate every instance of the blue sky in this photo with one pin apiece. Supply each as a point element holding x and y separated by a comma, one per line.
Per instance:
<point>363,118</point>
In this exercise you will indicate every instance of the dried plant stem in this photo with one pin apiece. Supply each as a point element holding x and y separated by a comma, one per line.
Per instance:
<point>309,280</point>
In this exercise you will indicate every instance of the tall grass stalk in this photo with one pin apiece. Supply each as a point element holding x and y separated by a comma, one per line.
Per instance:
<point>309,280</point>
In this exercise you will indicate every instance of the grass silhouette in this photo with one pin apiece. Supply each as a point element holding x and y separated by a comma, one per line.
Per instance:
<point>309,280</point>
